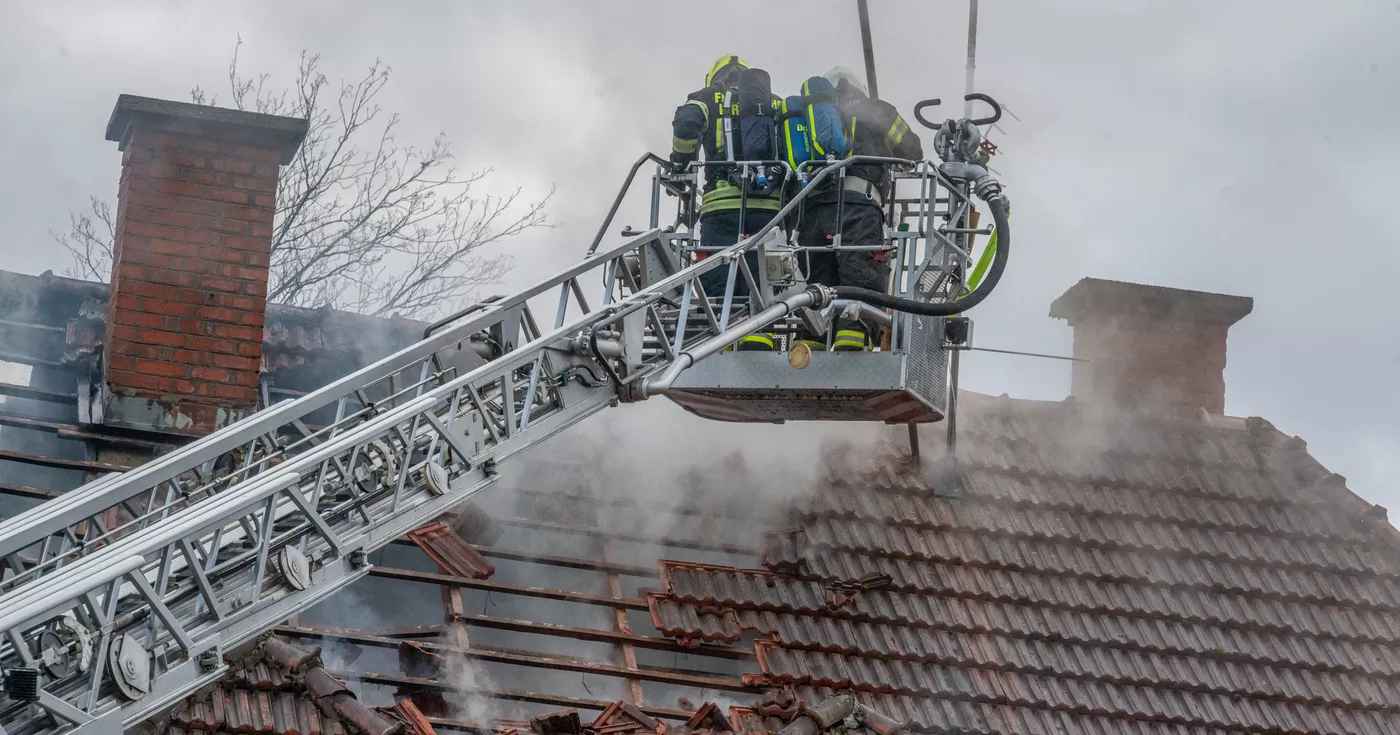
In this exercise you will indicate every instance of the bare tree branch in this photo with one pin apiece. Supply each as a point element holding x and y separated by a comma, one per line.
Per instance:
<point>362,223</point>
<point>89,241</point>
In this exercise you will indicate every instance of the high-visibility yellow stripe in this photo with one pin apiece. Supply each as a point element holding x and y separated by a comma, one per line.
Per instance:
<point>680,145</point>
<point>770,205</point>
<point>725,189</point>
<point>787,132</point>
<point>704,109</point>
<point>762,339</point>
<point>895,135</point>
<point>719,124</point>
<point>814,345</point>
<point>850,334</point>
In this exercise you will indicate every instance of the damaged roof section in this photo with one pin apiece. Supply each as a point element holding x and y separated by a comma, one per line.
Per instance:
<point>1077,572</point>
<point>62,321</point>
<point>839,714</point>
<point>278,688</point>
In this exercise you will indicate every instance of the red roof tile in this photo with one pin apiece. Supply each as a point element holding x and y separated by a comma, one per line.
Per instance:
<point>276,688</point>
<point>414,720</point>
<point>566,722</point>
<point>1091,575</point>
<point>450,551</point>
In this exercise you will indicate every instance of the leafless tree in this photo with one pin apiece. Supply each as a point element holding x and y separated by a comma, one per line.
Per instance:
<point>363,223</point>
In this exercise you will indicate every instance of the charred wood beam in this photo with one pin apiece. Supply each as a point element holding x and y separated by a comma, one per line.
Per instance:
<point>556,663</point>
<point>464,726</point>
<point>24,491</point>
<point>63,464</point>
<point>629,603</point>
<point>629,537</point>
<point>331,631</point>
<point>73,431</point>
<point>24,358</point>
<point>556,561</point>
<point>626,651</point>
<point>34,394</point>
<point>529,626</point>
<point>568,561</point>
<point>513,696</point>
<point>559,663</point>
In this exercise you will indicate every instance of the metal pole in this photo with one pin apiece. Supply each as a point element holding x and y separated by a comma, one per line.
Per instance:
<point>971,53</point>
<point>953,400</point>
<point>868,48</point>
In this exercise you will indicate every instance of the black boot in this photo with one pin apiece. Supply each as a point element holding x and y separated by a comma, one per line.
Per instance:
<point>850,337</point>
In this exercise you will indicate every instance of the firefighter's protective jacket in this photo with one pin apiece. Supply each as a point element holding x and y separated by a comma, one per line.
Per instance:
<point>875,128</point>
<point>699,124</point>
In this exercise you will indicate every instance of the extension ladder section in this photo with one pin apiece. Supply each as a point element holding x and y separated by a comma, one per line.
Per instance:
<point>122,594</point>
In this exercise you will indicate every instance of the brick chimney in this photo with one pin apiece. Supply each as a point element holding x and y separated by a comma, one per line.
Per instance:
<point>1149,347</point>
<point>189,273</point>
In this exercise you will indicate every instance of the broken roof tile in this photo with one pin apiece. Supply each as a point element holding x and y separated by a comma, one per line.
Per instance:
<point>782,551</point>
<point>451,552</point>
<point>566,722</point>
<point>414,721</point>
<point>321,684</point>
<point>708,717</point>
<point>287,656</point>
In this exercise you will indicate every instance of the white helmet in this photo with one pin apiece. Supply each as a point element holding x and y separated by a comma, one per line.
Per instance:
<point>841,73</point>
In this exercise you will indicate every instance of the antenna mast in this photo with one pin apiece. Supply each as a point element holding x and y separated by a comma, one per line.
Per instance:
<point>971,52</point>
<point>868,48</point>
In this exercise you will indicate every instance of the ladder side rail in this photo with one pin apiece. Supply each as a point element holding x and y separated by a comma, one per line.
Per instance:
<point>94,498</point>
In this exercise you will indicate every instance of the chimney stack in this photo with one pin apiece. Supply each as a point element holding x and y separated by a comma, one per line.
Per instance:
<point>189,272</point>
<point>1149,347</point>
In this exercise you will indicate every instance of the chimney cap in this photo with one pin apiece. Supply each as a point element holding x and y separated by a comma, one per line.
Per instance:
<point>1097,295</point>
<point>283,133</point>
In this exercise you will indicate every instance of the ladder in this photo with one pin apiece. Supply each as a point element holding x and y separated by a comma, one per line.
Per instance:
<point>119,598</point>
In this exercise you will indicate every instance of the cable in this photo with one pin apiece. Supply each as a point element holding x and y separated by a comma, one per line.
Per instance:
<point>997,205</point>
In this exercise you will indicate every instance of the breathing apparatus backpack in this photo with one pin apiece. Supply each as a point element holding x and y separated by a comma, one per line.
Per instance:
<point>811,125</point>
<point>758,131</point>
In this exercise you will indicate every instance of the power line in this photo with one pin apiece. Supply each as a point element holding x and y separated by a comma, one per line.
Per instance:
<point>1027,354</point>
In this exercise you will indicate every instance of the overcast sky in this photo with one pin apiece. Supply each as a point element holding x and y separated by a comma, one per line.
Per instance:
<point>1240,147</point>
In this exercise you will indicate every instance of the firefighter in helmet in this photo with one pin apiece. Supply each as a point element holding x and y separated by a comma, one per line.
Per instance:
<point>874,128</point>
<point>700,124</point>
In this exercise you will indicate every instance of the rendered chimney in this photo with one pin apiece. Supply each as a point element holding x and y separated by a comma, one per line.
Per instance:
<point>1149,347</point>
<point>189,273</point>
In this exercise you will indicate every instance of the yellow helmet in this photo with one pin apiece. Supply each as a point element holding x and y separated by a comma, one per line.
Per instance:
<point>724,63</point>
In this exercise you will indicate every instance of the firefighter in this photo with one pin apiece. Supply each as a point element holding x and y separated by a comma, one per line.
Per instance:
<point>699,124</point>
<point>874,128</point>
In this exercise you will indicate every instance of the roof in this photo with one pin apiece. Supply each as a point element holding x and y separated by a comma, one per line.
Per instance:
<point>1076,572</point>
<point>56,320</point>
<point>277,688</point>
<point>839,714</point>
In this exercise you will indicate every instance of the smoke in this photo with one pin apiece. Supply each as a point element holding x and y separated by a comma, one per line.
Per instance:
<point>642,474</point>
<point>674,465</point>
